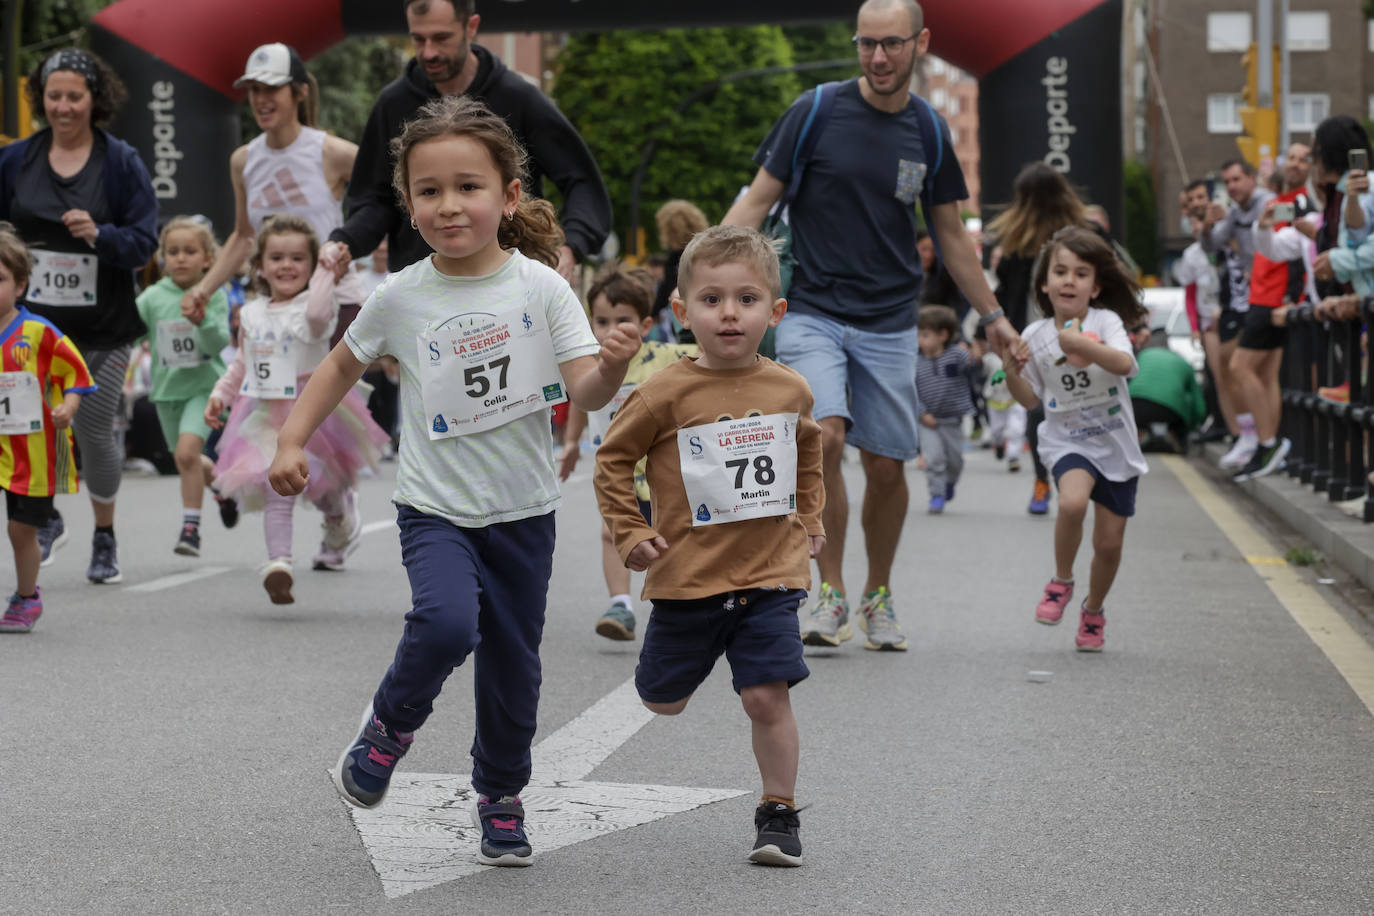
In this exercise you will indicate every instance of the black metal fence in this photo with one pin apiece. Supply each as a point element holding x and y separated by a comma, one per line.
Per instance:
<point>1328,408</point>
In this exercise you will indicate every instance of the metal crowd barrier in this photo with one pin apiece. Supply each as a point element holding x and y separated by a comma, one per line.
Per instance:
<point>1330,435</point>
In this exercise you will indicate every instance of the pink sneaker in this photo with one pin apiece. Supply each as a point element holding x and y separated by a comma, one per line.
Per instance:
<point>1051,607</point>
<point>22,613</point>
<point>1090,627</point>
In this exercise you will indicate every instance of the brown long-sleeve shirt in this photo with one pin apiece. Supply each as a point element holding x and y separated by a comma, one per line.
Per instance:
<point>712,559</point>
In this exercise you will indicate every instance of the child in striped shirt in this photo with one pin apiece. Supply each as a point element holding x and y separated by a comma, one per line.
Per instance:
<point>942,384</point>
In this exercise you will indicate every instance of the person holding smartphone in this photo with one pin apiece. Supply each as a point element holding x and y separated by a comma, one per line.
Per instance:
<point>1341,156</point>
<point>1276,284</point>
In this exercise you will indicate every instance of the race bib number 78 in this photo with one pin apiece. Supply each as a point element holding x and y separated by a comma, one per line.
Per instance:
<point>735,470</point>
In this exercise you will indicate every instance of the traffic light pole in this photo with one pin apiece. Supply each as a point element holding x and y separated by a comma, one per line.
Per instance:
<point>1284,72</point>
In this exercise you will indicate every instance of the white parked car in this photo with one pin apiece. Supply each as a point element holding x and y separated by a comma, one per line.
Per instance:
<point>1169,315</point>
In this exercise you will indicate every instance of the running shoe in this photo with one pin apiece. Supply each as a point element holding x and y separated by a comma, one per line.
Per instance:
<point>1090,627</point>
<point>503,832</point>
<point>617,623</point>
<point>1265,461</point>
<point>188,542</point>
<point>937,505</point>
<point>1040,498</point>
<point>228,510</point>
<point>364,770</point>
<point>22,613</point>
<point>879,621</point>
<point>50,537</point>
<point>1050,610</point>
<point>1013,464</point>
<point>277,579</point>
<point>1240,454</point>
<point>827,623</point>
<point>779,835</point>
<point>104,568</point>
<point>341,536</point>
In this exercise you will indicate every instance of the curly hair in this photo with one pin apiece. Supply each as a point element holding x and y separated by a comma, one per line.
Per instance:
<point>14,254</point>
<point>1119,291</point>
<point>108,94</point>
<point>678,221</point>
<point>533,228</point>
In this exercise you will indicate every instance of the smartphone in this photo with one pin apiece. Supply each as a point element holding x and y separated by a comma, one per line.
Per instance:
<point>1359,159</point>
<point>1283,213</point>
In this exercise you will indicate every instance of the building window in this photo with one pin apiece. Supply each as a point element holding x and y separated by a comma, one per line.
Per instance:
<point>939,97</point>
<point>1228,31</point>
<point>1307,109</point>
<point>1223,113</point>
<point>1371,107</point>
<point>952,107</point>
<point>1371,34</point>
<point>937,66</point>
<point>1309,31</point>
<point>954,136</point>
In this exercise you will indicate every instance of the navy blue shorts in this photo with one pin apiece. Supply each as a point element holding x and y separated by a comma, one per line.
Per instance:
<point>756,630</point>
<point>644,510</point>
<point>1116,495</point>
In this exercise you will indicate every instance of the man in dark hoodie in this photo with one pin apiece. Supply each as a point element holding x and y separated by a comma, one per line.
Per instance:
<point>447,62</point>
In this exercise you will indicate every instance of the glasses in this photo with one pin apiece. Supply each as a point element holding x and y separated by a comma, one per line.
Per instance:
<point>891,44</point>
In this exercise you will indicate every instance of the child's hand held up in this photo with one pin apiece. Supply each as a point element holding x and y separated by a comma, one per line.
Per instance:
<point>619,347</point>
<point>646,552</point>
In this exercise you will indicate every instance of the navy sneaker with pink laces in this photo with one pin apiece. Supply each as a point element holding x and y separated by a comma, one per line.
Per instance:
<point>363,772</point>
<point>503,832</point>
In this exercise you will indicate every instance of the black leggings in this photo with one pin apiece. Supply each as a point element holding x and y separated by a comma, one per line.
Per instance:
<point>1033,421</point>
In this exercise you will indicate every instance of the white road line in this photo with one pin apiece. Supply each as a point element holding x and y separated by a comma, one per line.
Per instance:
<point>172,581</point>
<point>372,527</point>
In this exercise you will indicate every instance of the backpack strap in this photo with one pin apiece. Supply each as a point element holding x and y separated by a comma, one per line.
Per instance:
<point>822,102</point>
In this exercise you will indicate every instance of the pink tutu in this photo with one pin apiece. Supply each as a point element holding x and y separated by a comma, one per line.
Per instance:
<point>347,441</point>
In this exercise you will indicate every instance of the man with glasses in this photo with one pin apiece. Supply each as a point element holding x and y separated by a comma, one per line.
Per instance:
<point>851,322</point>
<point>448,62</point>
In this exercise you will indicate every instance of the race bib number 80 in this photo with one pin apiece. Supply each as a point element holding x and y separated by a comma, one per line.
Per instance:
<point>735,470</point>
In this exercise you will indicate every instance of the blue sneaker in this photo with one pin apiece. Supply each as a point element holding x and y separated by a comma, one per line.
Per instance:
<point>937,505</point>
<point>503,832</point>
<point>363,772</point>
<point>1040,499</point>
<point>949,492</point>
<point>50,537</point>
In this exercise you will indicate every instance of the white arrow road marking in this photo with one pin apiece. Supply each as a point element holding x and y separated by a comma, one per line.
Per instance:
<point>423,834</point>
<point>175,579</point>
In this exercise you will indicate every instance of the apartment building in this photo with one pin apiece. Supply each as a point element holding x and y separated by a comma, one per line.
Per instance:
<point>1196,48</point>
<point>954,94</point>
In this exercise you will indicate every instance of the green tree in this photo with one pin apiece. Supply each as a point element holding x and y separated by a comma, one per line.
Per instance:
<point>620,89</point>
<point>46,25</point>
<point>1142,216</point>
<point>833,41</point>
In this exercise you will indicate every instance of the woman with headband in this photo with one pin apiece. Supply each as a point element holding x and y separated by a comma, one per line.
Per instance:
<point>82,200</point>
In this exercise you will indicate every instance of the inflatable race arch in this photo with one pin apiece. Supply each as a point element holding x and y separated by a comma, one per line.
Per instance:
<point>1049,73</point>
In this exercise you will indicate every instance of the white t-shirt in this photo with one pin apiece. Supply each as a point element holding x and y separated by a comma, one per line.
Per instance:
<point>1105,432</point>
<point>500,475</point>
<point>286,325</point>
<point>1195,267</point>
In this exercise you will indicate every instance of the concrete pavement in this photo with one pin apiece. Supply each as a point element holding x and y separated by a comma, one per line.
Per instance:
<point>168,738</point>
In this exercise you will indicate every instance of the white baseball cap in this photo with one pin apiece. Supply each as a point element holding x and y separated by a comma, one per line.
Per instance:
<point>273,65</point>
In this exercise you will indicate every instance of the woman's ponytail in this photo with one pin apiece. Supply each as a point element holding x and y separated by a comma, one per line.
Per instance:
<point>534,230</point>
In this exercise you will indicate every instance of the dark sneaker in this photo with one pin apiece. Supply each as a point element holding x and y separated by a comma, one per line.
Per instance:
<point>363,772</point>
<point>22,613</point>
<point>779,835</point>
<point>949,492</point>
<point>503,832</point>
<point>188,543</point>
<point>104,568</point>
<point>228,510</point>
<point>617,623</point>
<point>1265,461</point>
<point>50,537</point>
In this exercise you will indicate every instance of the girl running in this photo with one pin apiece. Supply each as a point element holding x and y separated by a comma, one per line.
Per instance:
<point>488,336</point>
<point>185,345</point>
<point>283,335</point>
<point>1080,359</point>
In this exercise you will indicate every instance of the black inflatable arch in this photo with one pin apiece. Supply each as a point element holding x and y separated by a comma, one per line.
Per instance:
<point>1049,72</point>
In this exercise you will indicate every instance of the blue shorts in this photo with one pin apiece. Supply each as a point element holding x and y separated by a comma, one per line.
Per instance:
<point>756,630</point>
<point>867,378</point>
<point>1116,495</point>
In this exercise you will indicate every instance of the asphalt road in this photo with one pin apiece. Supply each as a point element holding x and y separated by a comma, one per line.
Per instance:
<point>167,740</point>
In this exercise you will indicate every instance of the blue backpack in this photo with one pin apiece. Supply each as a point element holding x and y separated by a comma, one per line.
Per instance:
<point>822,103</point>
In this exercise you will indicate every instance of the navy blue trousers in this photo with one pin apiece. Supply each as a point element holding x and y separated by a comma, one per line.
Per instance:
<point>479,591</point>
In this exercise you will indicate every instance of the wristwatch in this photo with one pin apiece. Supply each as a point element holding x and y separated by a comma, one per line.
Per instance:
<point>990,317</point>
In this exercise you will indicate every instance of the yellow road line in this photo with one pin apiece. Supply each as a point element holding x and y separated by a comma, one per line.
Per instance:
<point>1342,644</point>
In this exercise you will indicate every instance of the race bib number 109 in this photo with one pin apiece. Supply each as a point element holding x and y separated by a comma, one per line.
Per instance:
<point>735,470</point>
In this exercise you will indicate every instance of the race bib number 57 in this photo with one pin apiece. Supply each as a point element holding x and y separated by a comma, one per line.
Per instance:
<point>735,470</point>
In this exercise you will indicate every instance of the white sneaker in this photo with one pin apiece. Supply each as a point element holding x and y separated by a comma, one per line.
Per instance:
<point>1240,453</point>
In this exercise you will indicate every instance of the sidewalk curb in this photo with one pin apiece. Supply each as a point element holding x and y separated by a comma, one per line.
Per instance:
<point>1348,542</point>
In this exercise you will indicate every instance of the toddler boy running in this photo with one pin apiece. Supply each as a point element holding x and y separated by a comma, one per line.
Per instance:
<point>734,469</point>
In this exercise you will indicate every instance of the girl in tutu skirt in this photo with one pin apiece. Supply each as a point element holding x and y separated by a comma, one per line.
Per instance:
<point>283,335</point>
